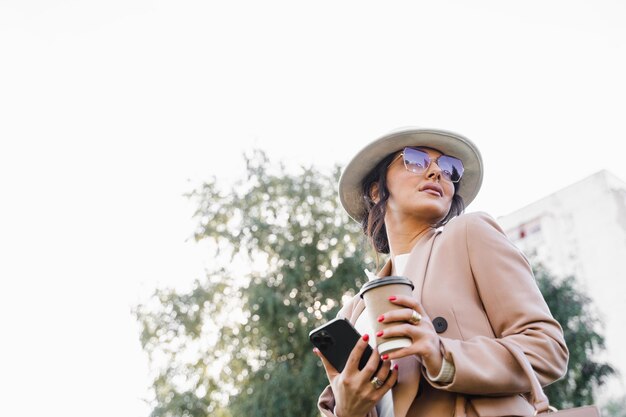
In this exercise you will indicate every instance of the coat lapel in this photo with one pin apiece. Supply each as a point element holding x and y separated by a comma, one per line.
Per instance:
<point>409,367</point>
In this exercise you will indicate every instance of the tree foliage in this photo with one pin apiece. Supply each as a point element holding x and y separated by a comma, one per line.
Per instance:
<point>310,255</point>
<point>616,407</point>
<point>285,253</point>
<point>582,329</point>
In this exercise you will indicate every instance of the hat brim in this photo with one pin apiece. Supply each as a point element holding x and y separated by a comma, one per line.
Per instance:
<point>449,143</point>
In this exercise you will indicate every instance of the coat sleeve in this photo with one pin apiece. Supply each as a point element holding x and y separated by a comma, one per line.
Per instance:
<point>516,311</point>
<point>326,401</point>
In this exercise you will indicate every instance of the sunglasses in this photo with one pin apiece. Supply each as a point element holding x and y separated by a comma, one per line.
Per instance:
<point>418,161</point>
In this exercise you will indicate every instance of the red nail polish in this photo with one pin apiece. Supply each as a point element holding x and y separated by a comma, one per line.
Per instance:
<point>385,357</point>
<point>395,367</point>
<point>379,334</point>
<point>365,338</point>
<point>392,298</point>
<point>381,318</point>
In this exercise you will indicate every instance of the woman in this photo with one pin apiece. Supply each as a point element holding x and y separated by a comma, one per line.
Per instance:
<point>473,289</point>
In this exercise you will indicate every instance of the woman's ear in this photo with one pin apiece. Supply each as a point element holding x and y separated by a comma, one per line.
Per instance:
<point>374,193</point>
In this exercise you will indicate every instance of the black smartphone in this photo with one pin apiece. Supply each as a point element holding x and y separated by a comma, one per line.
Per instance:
<point>335,340</point>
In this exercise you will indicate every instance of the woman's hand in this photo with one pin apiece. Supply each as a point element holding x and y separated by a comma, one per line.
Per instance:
<point>355,393</point>
<point>425,340</point>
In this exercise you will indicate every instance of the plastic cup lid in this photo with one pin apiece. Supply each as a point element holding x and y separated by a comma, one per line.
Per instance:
<point>385,281</point>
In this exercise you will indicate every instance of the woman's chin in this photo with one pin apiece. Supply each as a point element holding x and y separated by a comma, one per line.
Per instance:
<point>431,216</point>
<point>433,212</point>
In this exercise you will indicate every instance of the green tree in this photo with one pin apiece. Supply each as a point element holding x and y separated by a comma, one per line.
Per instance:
<point>615,407</point>
<point>284,255</point>
<point>582,329</point>
<point>259,361</point>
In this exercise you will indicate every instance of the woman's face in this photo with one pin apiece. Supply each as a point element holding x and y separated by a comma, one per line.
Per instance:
<point>427,196</point>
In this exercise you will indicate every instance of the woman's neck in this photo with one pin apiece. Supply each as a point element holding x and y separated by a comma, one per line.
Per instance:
<point>403,236</point>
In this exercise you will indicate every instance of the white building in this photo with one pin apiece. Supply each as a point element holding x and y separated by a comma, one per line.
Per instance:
<point>581,231</point>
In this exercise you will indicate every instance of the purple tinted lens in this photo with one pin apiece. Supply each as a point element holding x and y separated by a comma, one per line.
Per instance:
<point>418,161</point>
<point>415,160</point>
<point>451,167</point>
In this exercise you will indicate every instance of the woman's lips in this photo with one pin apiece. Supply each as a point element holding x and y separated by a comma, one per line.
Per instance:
<point>431,191</point>
<point>432,188</point>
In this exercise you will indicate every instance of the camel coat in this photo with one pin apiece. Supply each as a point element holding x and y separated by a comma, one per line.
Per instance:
<point>476,286</point>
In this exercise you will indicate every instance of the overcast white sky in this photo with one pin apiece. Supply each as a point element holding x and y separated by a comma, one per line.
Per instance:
<point>111,110</point>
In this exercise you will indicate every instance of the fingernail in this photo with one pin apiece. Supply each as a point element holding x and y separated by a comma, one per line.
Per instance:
<point>365,337</point>
<point>395,367</point>
<point>392,298</point>
<point>379,334</point>
<point>385,357</point>
<point>381,318</point>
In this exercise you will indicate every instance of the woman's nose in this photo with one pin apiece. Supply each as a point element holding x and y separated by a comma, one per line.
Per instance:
<point>434,172</point>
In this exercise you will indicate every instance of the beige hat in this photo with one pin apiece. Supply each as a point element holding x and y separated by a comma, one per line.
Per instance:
<point>453,144</point>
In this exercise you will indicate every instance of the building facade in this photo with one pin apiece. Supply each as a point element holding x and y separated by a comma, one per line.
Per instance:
<point>581,231</point>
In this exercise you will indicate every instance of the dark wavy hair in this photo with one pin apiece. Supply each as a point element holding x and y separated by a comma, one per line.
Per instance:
<point>373,222</point>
